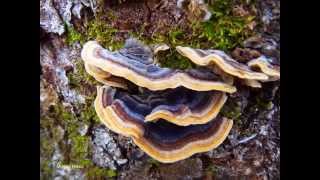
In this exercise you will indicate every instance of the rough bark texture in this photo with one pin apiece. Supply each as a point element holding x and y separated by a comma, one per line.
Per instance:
<point>75,145</point>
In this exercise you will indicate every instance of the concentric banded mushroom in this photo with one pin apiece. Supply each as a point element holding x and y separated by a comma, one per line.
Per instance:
<point>134,62</point>
<point>222,60</point>
<point>173,114</point>
<point>162,140</point>
<point>183,115</point>
<point>179,106</point>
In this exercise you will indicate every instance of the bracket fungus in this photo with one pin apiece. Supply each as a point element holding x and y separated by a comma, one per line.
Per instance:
<point>173,114</point>
<point>105,77</point>
<point>266,66</point>
<point>222,60</point>
<point>179,106</point>
<point>164,141</point>
<point>134,62</point>
<point>159,47</point>
<point>252,83</point>
<point>197,111</point>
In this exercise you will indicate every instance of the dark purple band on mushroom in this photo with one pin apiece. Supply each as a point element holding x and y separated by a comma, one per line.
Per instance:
<point>173,100</point>
<point>203,73</point>
<point>162,134</point>
<point>139,59</point>
<point>168,136</point>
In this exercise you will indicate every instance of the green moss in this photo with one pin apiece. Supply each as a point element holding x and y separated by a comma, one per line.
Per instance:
<point>154,162</point>
<point>46,170</point>
<point>79,150</point>
<point>88,114</point>
<point>81,81</point>
<point>73,36</point>
<point>46,146</point>
<point>79,76</point>
<point>61,113</point>
<point>74,147</point>
<point>96,29</point>
<point>263,104</point>
<point>231,110</point>
<point>104,33</point>
<point>223,31</point>
<point>95,172</point>
<point>212,169</point>
<point>176,61</point>
<point>64,117</point>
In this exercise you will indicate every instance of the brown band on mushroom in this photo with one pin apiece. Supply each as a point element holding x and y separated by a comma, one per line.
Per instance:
<point>262,64</point>
<point>162,140</point>
<point>222,60</point>
<point>134,62</point>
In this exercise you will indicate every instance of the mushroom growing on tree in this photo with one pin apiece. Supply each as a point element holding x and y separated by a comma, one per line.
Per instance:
<point>175,113</point>
<point>162,140</point>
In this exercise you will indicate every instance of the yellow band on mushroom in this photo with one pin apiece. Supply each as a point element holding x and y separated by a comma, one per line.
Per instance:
<point>145,74</point>
<point>264,66</point>
<point>189,117</point>
<point>161,140</point>
<point>219,58</point>
<point>189,149</point>
<point>105,77</point>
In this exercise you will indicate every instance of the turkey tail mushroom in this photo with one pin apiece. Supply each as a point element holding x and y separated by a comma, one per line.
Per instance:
<point>134,62</point>
<point>162,140</point>
<point>222,60</point>
<point>263,64</point>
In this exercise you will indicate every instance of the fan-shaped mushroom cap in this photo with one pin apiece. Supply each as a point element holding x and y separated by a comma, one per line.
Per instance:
<point>134,62</point>
<point>222,60</point>
<point>170,143</point>
<point>105,77</point>
<point>159,47</point>
<point>179,106</point>
<point>263,64</point>
<point>162,140</point>
<point>184,115</point>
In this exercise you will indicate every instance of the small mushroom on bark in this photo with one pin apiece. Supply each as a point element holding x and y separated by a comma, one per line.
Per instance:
<point>265,65</point>
<point>222,60</point>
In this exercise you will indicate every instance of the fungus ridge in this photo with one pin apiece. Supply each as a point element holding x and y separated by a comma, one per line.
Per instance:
<point>266,66</point>
<point>134,62</point>
<point>180,106</point>
<point>222,60</point>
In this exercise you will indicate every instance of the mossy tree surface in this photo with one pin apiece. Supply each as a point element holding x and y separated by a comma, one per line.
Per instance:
<point>223,31</point>
<point>74,146</point>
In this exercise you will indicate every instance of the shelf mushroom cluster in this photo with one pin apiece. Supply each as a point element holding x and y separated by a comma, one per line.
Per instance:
<point>172,114</point>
